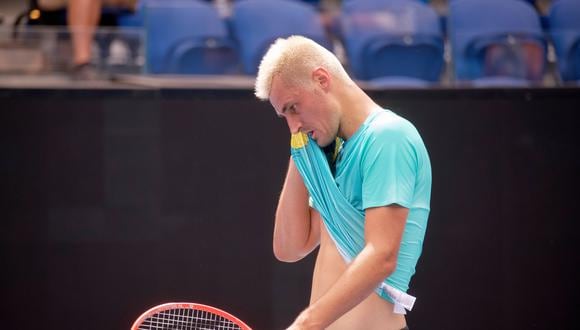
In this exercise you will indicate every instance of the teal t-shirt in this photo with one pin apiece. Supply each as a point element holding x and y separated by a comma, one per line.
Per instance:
<point>385,162</point>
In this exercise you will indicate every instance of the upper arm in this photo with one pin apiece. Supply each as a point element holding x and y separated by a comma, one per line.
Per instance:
<point>384,227</point>
<point>296,230</point>
<point>315,223</point>
<point>309,243</point>
<point>389,176</point>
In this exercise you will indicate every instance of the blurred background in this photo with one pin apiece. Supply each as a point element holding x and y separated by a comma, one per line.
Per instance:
<point>138,168</point>
<point>390,43</point>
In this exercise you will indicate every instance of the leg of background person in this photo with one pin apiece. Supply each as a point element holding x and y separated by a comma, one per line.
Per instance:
<point>83,18</point>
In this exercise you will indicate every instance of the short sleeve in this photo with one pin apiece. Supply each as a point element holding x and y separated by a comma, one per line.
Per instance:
<point>389,169</point>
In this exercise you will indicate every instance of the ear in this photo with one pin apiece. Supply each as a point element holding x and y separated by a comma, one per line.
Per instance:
<point>321,77</point>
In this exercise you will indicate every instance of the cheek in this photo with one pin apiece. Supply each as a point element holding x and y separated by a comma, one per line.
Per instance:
<point>318,113</point>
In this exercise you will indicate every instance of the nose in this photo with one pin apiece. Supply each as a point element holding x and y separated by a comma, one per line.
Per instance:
<point>294,124</point>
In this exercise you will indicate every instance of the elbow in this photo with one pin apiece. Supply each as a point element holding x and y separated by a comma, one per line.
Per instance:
<point>289,246</point>
<point>283,251</point>
<point>389,267</point>
<point>286,250</point>
<point>387,264</point>
<point>284,254</point>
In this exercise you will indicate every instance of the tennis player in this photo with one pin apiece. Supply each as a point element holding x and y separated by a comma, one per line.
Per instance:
<point>370,230</point>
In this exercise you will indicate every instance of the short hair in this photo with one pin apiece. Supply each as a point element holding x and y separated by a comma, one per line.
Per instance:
<point>294,59</point>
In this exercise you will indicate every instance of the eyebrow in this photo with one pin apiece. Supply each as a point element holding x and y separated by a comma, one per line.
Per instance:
<point>284,109</point>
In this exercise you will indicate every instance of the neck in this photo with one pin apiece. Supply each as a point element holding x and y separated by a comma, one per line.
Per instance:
<point>355,106</point>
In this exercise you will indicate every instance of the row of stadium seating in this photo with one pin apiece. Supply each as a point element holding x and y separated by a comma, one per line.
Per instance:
<point>385,42</point>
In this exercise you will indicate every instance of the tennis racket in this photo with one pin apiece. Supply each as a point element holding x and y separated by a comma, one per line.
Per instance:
<point>189,316</point>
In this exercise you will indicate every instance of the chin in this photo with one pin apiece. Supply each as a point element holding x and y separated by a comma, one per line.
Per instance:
<point>323,143</point>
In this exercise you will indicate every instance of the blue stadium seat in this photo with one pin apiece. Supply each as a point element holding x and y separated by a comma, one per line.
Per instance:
<point>424,1</point>
<point>315,3</point>
<point>398,38</point>
<point>257,23</point>
<point>496,38</point>
<point>398,82</point>
<point>530,1</point>
<point>564,17</point>
<point>500,81</point>
<point>187,37</point>
<point>133,19</point>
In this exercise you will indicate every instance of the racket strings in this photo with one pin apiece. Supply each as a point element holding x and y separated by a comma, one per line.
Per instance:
<point>187,319</point>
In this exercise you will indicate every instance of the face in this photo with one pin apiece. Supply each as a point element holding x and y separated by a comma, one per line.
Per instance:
<point>306,109</point>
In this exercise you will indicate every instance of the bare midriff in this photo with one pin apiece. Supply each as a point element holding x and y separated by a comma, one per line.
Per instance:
<point>373,313</point>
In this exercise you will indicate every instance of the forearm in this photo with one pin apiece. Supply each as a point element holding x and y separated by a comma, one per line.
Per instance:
<point>361,278</point>
<point>293,232</point>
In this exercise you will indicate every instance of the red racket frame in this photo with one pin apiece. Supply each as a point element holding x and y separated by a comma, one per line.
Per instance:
<point>187,305</point>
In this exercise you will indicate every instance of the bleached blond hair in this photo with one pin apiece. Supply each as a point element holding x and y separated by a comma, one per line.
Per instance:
<point>294,59</point>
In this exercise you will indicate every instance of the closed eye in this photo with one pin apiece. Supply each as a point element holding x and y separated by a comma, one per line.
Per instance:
<point>288,108</point>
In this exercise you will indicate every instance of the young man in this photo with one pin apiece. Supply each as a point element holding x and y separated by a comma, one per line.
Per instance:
<point>366,257</point>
